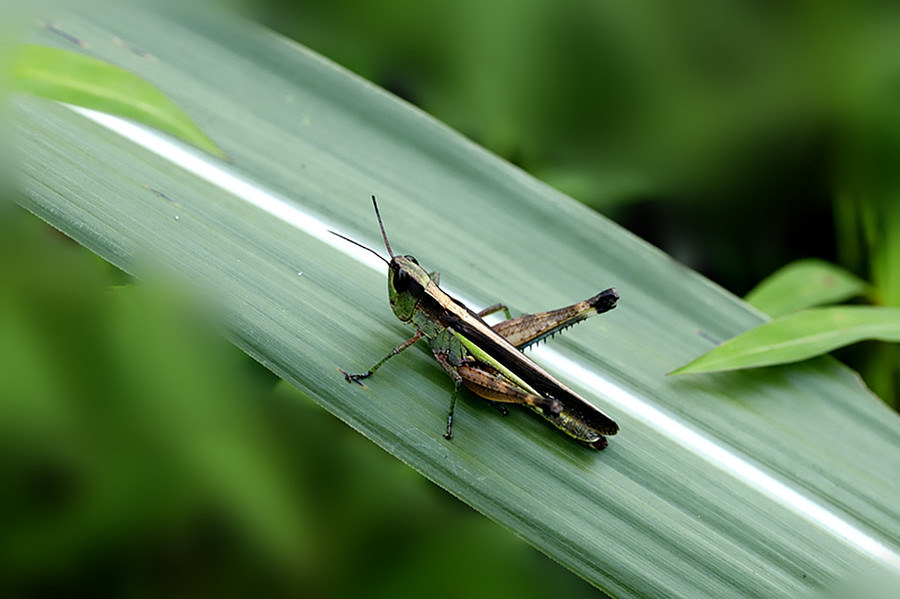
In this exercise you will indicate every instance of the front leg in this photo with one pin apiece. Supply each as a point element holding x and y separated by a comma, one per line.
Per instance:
<point>355,378</point>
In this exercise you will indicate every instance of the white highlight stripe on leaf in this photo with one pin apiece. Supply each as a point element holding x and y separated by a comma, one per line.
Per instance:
<point>625,400</point>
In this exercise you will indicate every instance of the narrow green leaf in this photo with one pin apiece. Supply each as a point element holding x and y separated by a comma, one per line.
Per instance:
<point>84,81</point>
<point>800,336</point>
<point>804,284</point>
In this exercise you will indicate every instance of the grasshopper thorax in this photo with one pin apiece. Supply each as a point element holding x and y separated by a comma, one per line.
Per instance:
<point>406,285</point>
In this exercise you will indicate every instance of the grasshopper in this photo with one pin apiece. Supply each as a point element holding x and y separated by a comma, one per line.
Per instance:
<point>488,359</point>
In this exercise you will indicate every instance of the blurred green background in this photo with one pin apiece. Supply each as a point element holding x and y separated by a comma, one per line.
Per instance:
<point>144,455</point>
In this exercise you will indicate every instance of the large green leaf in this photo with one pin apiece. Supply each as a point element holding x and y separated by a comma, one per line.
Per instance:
<point>747,484</point>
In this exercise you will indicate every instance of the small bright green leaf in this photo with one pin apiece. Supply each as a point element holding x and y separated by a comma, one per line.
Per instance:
<point>84,81</point>
<point>804,284</point>
<point>800,336</point>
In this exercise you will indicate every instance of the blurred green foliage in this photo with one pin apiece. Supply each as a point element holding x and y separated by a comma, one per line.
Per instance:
<point>140,453</point>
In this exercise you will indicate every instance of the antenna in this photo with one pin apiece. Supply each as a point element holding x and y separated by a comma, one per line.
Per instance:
<point>360,245</point>
<point>383,234</point>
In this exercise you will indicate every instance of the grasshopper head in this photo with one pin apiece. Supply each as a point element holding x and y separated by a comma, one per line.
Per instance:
<point>406,285</point>
<point>406,281</point>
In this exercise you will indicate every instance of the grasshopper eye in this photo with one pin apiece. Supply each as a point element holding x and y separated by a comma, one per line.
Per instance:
<point>412,259</point>
<point>401,281</point>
